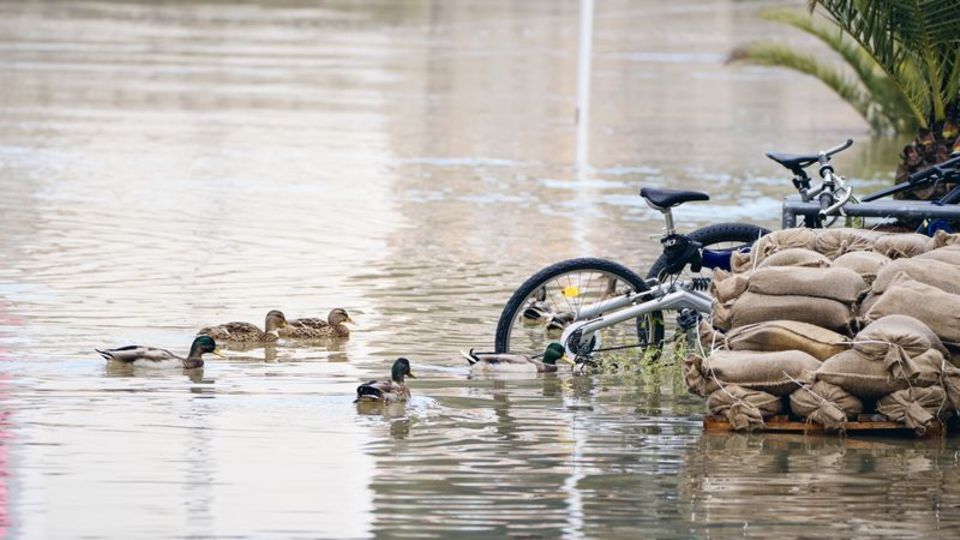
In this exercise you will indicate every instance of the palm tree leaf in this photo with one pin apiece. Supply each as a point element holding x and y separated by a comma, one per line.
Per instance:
<point>914,38</point>
<point>778,55</point>
<point>889,101</point>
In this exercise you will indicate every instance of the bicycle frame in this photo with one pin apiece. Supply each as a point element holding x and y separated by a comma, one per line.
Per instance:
<point>673,296</point>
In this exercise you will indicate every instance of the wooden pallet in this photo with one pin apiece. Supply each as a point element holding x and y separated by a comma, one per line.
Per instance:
<point>865,424</point>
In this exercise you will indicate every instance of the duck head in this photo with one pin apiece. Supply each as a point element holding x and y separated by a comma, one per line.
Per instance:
<point>401,369</point>
<point>339,316</point>
<point>203,345</point>
<point>274,321</point>
<point>555,352</point>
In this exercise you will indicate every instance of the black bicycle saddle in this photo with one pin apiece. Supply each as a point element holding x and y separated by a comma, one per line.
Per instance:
<point>662,199</point>
<point>796,164</point>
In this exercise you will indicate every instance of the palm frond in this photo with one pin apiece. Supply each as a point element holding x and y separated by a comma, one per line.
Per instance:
<point>888,101</point>
<point>916,37</point>
<point>778,55</point>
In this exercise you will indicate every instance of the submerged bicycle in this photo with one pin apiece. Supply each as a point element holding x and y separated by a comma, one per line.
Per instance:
<point>595,305</point>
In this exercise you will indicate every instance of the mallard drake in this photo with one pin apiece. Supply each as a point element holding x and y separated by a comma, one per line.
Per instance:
<point>313,328</point>
<point>503,362</point>
<point>244,332</point>
<point>388,391</point>
<point>138,355</point>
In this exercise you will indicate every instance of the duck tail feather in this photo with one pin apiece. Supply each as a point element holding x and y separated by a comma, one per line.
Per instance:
<point>368,391</point>
<point>470,356</point>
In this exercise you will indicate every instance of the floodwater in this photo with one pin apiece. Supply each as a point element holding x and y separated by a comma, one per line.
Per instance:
<point>168,165</point>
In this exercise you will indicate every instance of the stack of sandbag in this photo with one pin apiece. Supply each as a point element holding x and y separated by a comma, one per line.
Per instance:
<point>822,296</point>
<point>896,366</point>
<point>926,288</point>
<point>835,243</point>
<point>896,362</point>
<point>747,386</point>
<point>784,326</point>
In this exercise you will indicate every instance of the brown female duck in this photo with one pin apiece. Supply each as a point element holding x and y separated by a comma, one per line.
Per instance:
<point>244,332</point>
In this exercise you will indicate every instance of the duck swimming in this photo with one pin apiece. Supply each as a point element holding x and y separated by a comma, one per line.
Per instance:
<point>537,311</point>
<point>388,391</point>
<point>140,356</point>
<point>506,362</point>
<point>244,332</point>
<point>314,328</point>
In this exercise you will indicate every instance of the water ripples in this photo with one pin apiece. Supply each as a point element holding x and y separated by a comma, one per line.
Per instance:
<point>165,167</point>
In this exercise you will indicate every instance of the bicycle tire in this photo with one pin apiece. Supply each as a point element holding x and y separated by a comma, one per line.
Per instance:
<point>517,301</point>
<point>715,234</point>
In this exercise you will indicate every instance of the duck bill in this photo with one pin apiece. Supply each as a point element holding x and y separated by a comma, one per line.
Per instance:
<point>218,352</point>
<point>567,360</point>
<point>351,322</point>
<point>411,375</point>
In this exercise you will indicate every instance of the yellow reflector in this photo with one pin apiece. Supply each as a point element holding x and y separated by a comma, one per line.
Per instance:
<point>571,291</point>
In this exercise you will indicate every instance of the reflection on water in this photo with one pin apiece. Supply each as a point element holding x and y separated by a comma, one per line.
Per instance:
<point>165,166</point>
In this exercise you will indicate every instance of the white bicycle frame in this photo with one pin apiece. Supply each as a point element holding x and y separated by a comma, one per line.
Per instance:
<point>669,296</point>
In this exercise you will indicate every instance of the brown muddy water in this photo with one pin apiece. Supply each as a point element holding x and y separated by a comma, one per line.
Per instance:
<point>168,165</point>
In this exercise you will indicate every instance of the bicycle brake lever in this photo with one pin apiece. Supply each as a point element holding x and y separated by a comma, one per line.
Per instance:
<point>838,206</point>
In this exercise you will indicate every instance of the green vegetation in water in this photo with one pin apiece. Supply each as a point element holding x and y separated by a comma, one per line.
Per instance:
<point>650,369</point>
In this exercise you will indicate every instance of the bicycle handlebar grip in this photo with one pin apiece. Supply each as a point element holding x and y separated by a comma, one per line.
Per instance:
<point>838,148</point>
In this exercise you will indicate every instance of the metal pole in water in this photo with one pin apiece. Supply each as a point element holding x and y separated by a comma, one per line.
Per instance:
<point>583,83</point>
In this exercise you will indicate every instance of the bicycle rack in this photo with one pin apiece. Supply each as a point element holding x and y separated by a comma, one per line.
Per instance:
<point>793,207</point>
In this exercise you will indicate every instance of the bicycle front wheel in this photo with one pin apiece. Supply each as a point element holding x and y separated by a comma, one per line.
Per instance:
<point>541,308</point>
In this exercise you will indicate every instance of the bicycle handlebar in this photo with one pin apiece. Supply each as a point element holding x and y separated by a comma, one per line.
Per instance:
<point>940,169</point>
<point>838,148</point>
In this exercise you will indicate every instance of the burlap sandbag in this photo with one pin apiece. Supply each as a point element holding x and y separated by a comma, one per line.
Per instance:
<point>943,238</point>
<point>838,284</point>
<point>766,246</point>
<point>896,335</point>
<point>753,308</point>
<point>826,404</point>
<point>859,375</point>
<point>950,381</point>
<point>916,408</point>
<point>924,369</point>
<point>693,377</point>
<point>864,306</point>
<point>745,409</point>
<point>937,309</point>
<point>796,257</point>
<point>865,263</point>
<point>900,245</point>
<point>773,372</point>
<point>710,338</point>
<point>941,275</point>
<point>772,336</point>
<point>835,242</point>
<point>726,287</point>
<point>949,254</point>
<point>741,261</point>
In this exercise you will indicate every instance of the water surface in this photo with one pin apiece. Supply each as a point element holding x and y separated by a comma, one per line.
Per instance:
<point>169,165</point>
